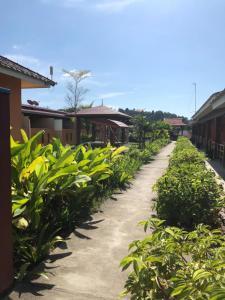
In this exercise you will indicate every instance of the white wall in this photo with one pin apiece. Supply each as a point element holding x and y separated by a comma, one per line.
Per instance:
<point>58,124</point>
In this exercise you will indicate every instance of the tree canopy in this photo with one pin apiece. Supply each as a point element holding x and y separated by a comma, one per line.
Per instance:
<point>152,115</point>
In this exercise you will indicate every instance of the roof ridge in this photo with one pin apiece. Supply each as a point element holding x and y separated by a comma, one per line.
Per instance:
<point>5,59</point>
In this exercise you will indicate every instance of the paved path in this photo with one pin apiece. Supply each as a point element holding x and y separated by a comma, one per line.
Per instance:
<point>92,271</point>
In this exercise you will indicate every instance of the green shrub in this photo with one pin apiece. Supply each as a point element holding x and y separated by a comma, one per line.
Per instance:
<point>187,196</point>
<point>54,186</point>
<point>174,264</point>
<point>151,148</point>
<point>51,186</point>
<point>188,193</point>
<point>187,156</point>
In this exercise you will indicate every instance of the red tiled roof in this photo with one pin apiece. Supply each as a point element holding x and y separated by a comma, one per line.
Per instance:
<point>174,121</point>
<point>100,110</point>
<point>11,65</point>
<point>97,111</point>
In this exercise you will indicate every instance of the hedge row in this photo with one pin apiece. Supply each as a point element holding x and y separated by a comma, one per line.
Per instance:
<point>188,193</point>
<point>173,263</point>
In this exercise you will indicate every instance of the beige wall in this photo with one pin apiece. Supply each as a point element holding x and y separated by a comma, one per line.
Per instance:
<point>26,125</point>
<point>14,85</point>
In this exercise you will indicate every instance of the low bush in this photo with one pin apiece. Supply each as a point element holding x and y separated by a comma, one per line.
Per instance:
<point>188,193</point>
<point>54,186</point>
<point>151,148</point>
<point>171,263</point>
<point>51,187</point>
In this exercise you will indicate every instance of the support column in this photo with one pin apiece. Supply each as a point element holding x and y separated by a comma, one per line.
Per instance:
<point>6,252</point>
<point>123,135</point>
<point>93,132</point>
<point>77,131</point>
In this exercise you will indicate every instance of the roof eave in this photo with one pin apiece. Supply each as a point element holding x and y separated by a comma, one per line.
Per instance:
<point>27,81</point>
<point>101,115</point>
<point>44,114</point>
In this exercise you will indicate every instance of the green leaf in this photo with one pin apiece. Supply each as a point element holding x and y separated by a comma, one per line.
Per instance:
<point>200,274</point>
<point>178,290</point>
<point>24,135</point>
<point>119,151</point>
<point>26,172</point>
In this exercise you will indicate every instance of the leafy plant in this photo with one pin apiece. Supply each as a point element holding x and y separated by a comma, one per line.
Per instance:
<point>171,263</point>
<point>188,193</point>
<point>54,186</point>
<point>46,182</point>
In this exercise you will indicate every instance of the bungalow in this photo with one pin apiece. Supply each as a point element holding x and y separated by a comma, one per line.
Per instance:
<point>54,123</point>
<point>177,126</point>
<point>102,124</point>
<point>208,126</point>
<point>99,124</point>
<point>16,77</point>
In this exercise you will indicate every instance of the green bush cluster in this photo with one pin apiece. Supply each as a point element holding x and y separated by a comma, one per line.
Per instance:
<point>51,186</point>
<point>188,193</point>
<point>151,148</point>
<point>54,186</point>
<point>129,163</point>
<point>171,263</point>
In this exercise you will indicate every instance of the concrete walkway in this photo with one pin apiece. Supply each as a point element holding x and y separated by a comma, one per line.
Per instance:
<point>89,267</point>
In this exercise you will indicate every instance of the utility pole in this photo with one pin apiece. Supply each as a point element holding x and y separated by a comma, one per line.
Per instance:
<point>195,86</point>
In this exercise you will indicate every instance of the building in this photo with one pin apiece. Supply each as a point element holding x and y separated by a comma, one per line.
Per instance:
<point>54,123</point>
<point>99,124</point>
<point>16,77</point>
<point>102,124</point>
<point>177,126</point>
<point>208,126</point>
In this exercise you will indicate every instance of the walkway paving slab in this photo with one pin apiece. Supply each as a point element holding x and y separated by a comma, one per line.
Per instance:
<point>89,267</point>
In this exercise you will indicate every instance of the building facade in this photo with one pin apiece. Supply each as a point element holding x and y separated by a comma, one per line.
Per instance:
<point>100,123</point>
<point>16,77</point>
<point>53,123</point>
<point>208,126</point>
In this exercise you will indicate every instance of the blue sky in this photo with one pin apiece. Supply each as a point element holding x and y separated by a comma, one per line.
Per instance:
<point>142,53</point>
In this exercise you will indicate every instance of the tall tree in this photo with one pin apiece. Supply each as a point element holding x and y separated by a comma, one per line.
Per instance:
<point>141,127</point>
<point>75,91</point>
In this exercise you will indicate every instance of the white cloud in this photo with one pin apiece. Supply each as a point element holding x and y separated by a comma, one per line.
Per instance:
<point>115,5</point>
<point>77,73</point>
<point>111,95</point>
<point>30,62</point>
<point>27,61</point>
<point>65,3</point>
<point>16,47</point>
<point>109,6</point>
<point>91,79</point>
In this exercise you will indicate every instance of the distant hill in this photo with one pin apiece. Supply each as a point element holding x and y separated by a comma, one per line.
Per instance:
<point>152,115</point>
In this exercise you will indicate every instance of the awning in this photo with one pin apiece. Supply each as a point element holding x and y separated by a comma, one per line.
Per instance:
<point>119,123</point>
<point>109,122</point>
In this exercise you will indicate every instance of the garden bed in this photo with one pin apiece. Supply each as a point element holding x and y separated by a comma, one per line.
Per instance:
<point>183,257</point>
<point>55,186</point>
